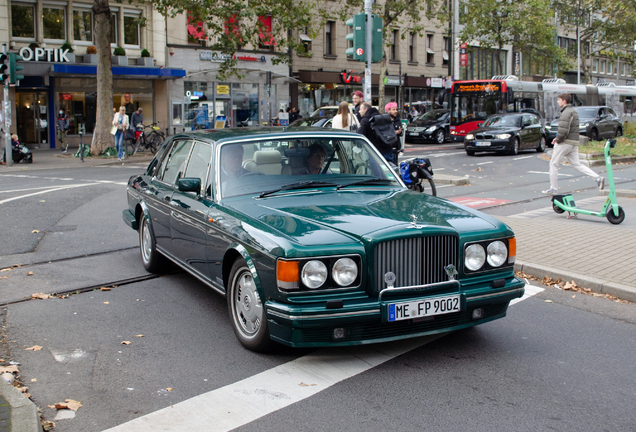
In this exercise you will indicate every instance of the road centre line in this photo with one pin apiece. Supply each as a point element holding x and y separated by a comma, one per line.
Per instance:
<point>547,173</point>
<point>26,190</point>
<point>254,397</point>
<point>484,163</point>
<point>47,191</point>
<point>522,157</point>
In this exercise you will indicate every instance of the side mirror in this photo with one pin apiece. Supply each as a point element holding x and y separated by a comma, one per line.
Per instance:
<point>190,184</point>
<point>479,124</point>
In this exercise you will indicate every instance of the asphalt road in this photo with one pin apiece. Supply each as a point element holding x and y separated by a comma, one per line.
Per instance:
<point>562,365</point>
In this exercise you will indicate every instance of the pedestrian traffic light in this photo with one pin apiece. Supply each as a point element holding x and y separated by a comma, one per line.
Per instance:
<point>14,68</point>
<point>359,26</point>
<point>359,36</point>
<point>4,69</point>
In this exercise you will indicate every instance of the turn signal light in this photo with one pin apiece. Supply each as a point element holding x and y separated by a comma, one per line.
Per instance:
<point>512,250</point>
<point>287,274</point>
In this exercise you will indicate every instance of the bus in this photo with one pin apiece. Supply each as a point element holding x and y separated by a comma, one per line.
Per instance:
<point>472,102</point>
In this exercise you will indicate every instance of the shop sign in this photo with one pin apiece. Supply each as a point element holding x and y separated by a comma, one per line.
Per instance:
<point>222,89</point>
<point>393,80</point>
<point>66,96</point>
<point>216,57</point>
<point>56,55</point>
<point>348,78</point>
<point>435,82</point>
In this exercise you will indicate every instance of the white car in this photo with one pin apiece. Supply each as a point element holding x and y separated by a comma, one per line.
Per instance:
<point>329,111</point>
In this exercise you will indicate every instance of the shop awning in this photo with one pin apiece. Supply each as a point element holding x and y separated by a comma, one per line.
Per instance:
<point>136,72</point>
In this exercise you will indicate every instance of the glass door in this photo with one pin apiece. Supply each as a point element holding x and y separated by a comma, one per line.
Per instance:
<point>222,109</point>
<point>32,123</point>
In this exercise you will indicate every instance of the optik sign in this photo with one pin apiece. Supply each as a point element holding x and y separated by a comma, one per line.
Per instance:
<point>57,55</point>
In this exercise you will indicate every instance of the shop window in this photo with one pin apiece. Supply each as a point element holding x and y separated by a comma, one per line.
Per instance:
<point>177,113</point>
<point>266,40</point>
<point>196,33</point>
<point>114,25</point>
<point>245,104</point>
<point>54,23</point>
<point>330,35</point>
<point>412,54</point>
<point>23,21</point>
<point>132,29</point>
<point>430,52</point>
<point>445,56</point>
<point>83,25</point>
<point>395,37</point>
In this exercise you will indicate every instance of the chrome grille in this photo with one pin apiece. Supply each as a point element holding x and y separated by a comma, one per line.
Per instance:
<point>415,261</point>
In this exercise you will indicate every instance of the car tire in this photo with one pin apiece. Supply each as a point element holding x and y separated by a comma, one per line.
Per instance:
<point>440,136</point>
<point>542,144</point>
<point>151,258</point>
<point>514,147</point>
<point>593,135</point>
<point>619,132</point>
<point>247,312</point>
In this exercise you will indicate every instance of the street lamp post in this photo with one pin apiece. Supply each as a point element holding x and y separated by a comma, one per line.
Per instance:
<point>368,6</point>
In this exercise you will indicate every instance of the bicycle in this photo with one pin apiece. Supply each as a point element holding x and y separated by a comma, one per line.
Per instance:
<point>151,141</point>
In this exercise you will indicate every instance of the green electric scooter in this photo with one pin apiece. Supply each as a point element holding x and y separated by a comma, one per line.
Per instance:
<point>611,210</point>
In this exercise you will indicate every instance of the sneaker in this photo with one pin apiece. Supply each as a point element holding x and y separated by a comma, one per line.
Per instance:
<point>600,181</point>
<point>550,192</point>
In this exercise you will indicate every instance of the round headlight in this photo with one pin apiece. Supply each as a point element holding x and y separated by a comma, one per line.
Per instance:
<point>475,257</point>
<point>314,274</point>
<point>497,253</point>
<point>345,271</point>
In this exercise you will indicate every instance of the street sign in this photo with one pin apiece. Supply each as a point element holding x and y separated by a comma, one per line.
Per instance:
<point>359,51</point>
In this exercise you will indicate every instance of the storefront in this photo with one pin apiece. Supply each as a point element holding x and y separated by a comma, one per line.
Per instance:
<point>49,87</point>
<point>203,101</point>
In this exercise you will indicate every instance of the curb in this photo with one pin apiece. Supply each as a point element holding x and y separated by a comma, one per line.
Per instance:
<point>24,413</point>
<point>625,193</point>
<point>450,179</point>
<point>620,291</point>
<point>615,160</point>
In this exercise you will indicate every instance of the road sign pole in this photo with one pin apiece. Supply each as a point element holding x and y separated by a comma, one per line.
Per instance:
<point>368,4</point>
<point>8,148</point>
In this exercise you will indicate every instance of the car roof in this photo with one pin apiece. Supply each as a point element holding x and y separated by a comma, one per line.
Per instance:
<point>228,134</point>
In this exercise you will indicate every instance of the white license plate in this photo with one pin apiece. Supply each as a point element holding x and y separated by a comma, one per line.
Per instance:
<point>423,308</point>
<point>482,143</point>
<point>414,133</point>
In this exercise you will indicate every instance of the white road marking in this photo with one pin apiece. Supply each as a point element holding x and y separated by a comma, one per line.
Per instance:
<point>247,400</point>
<point>484,163</point>
<point>26,190</point>
<point>47,191</point>
<point>444,154</point>
<point>530,291</point>
<point>547,173</point>
<point>522,157</point>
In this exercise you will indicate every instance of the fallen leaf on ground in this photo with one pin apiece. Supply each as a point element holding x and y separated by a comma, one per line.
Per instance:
<point>168,388</point>
<point>47,425</point>
<point>302,384</point>
<point>6,269</point>
<point>34,348</point>
<point>40,296</point>
<point>105,289</point>
<point>548,301</point>
<point>478,169</point>
<point>30,273</point>
<point>106,302</point>
<point>35,231</point>
<point>10,369</point>
<point>34,380</point>
<point>126,343</point>
<point>68,404</point>
<point>139,336</point>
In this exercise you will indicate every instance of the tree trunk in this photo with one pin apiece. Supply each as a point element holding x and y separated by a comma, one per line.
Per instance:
<point>101,135</point>
<point>381,83</point>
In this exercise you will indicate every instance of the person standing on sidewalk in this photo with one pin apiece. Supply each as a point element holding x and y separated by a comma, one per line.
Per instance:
<point>137,121</point>
<point>566,145</point>
<point>62,124</point>
<point>357,103</point>
<point>121,122</point>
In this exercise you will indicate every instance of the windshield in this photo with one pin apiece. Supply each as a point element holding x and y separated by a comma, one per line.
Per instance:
<point>587,112</point>
<point>503,121</point>
<point>263,166</point>
<point>327,112</point>
<point>310,121</point>
<point>472,107</point>
<point>432,115</point>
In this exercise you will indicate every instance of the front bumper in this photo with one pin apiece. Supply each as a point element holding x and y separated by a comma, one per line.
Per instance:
<point>419,136</point>
<point>366,321</point>
<point>495,145</point>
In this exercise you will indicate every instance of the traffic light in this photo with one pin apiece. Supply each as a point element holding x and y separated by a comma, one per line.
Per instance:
<point>4,69</point>
<point>14,68</point>
<point>358,37</point>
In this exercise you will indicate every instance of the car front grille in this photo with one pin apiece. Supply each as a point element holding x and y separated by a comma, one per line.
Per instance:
<point>484,136</point>
<point>415,261</point>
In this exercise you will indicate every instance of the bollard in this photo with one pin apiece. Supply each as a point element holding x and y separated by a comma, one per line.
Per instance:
<point>81,147</point>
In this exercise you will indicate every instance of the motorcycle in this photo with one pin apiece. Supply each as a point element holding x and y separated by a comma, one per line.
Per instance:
<point>416,173</point>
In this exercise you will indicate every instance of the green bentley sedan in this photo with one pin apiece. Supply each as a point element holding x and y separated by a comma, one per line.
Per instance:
<point>315,241</point>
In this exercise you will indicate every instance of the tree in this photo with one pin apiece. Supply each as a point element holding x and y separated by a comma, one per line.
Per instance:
<point>528,25</point>
<point>104,116</point>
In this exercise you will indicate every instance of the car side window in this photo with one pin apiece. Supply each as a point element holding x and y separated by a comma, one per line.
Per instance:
<point>527,120</point>
<point>176,162</point>
<point>611,112</point>
<point>200,161</point>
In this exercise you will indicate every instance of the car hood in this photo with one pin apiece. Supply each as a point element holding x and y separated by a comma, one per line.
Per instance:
<point>349,215</point>
<point>497,130</point>
<point>426,123</point>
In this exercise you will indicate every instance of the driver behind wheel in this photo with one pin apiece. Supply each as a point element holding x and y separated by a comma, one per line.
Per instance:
<point>231,164</point>
<point>316,159</point>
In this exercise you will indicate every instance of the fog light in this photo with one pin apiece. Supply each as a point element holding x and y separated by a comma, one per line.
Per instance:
<point>478,313</point>
<point>339,333</point>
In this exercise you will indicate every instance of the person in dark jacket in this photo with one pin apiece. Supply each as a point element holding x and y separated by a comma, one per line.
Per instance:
<point>62,124</point>
<point>357,97</point>
<point>367,112</point>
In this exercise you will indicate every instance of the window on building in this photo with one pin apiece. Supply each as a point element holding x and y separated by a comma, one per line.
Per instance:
<point>54,23</point>
<point>232,30</point>
<point>412,54</point>
<point>446,50</point>
<point>610,68</point>
<point>430,52</point>
<point>602,68</point>
<point>114,26</point>
<point>595,65</point>
<point>305,40</point>
<point>266,39</point>
<point>23,21</point>
<point>83,25</point>
<point>395,47</point>
<point>132,31</point>
<point>330,33</point>
<point>623,69</point>
<point>196,33</point>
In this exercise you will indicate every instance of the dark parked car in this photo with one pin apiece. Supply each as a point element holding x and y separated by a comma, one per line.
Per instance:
<point>430,126</point>
<point>595,122</point>
<point>315,121</point>
<point>315,241</point>
<point>509,133</point>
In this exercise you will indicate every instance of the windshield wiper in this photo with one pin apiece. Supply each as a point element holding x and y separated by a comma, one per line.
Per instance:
<point>374,180</point>
<point>308,184</point>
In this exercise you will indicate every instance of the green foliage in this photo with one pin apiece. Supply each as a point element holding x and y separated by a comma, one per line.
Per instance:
<point>629,129</point>
<point>145,53</point>
<point>119,51</point>
<point>67,46</point>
